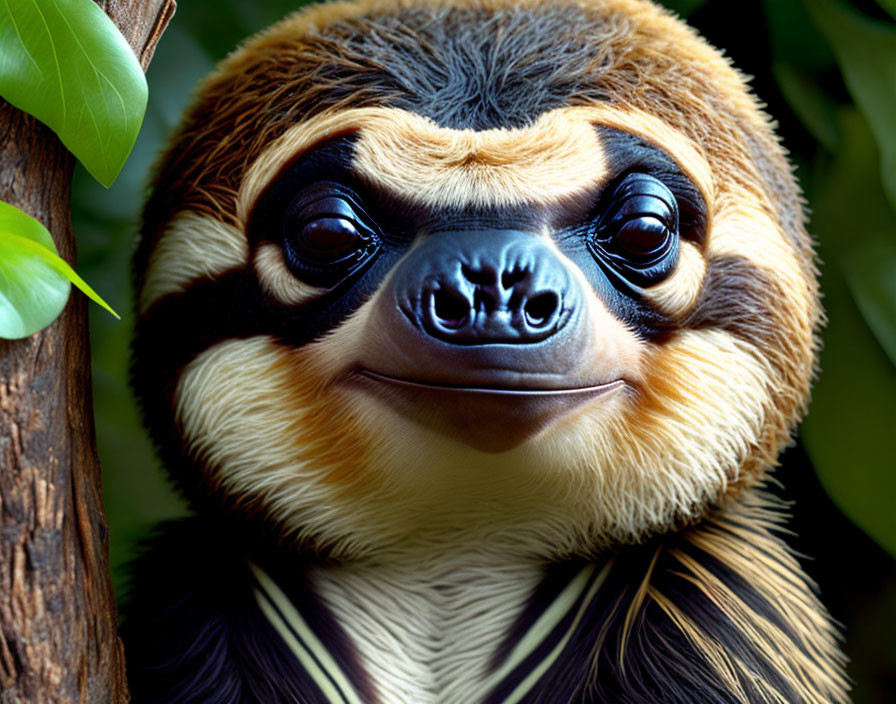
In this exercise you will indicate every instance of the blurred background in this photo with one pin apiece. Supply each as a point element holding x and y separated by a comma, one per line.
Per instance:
<point>826,69</point>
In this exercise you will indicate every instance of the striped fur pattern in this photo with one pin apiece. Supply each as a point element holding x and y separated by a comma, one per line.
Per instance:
<point>198,634</point>
<point>694,617</point>
<point>445,114</point>
<point>716,615</point>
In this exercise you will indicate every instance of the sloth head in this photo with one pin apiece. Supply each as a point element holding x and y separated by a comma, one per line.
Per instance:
<point>473,271</point>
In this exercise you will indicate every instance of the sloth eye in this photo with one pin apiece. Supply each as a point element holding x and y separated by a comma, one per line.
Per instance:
<point>326,235</point>
<point>643,239</point>
<point>637,234</point>
<point>329,238</point>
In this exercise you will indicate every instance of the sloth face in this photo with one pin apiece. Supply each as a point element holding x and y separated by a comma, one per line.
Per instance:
<point>467,272</point>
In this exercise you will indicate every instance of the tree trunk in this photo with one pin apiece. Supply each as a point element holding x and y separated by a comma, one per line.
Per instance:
<point>58,640</point>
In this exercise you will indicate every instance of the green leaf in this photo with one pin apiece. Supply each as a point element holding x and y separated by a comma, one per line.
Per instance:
<point>866,52</point>
<point>32,292</point>
<point>66,63</point>
<point>34,280</point>
<point>852,421</point>
<point>871,276</point>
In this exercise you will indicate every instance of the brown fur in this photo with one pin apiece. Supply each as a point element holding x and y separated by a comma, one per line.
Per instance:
<point>707,409</point>
<point>659,65</point>
<point>646,61</point>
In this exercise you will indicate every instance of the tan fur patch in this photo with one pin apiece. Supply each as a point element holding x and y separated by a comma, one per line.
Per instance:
<point>302,452</point>
<point>677,295</point>
<point>747,229</point>
<point>278,280</point>
<point>413,158</point>
<point>193,246</point>
<point>443,168</point>
<point>408,155</point>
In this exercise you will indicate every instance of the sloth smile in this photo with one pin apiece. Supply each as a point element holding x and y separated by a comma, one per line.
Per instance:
<point>518,391</point>
<point>490,417</point>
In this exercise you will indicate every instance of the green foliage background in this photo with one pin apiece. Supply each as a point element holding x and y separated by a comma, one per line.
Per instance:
<point>827,71</point>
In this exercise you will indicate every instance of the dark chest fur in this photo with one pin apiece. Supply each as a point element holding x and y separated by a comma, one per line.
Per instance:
<point>715,615</point>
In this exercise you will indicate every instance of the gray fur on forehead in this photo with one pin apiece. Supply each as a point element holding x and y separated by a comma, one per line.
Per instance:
<point>466,67</point>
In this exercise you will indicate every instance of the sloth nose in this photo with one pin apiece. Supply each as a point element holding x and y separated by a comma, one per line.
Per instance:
<point>485,303</point>
<point>497,288</point>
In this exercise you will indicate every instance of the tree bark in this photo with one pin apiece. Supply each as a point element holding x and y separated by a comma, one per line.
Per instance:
<point>58,640</point>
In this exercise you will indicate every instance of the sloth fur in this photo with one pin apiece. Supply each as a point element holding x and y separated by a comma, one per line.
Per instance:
<point>375,522</point>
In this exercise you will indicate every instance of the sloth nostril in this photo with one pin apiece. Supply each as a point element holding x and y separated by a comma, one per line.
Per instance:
<point>540,309</point>
<point>450,307</point>
<point>479,276</point>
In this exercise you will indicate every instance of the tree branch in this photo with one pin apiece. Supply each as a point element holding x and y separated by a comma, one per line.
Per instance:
<point>58,640</point>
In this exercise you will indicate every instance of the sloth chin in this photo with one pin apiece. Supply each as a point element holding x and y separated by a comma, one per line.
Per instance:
<point>492,412</point>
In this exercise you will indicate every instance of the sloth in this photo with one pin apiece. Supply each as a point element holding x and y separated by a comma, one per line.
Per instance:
<point>472,331</point>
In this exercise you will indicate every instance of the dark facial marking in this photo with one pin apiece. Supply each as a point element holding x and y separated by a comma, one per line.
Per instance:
<point>632,231</point>
<point>738,297</point>
<point>617,293</point>
<point>302,188</point>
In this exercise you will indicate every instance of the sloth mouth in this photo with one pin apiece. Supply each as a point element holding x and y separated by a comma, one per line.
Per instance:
<point>497,389</point>
<point>489,417</point>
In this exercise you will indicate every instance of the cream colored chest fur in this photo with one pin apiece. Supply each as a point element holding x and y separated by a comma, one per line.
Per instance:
<point>426,631</point>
